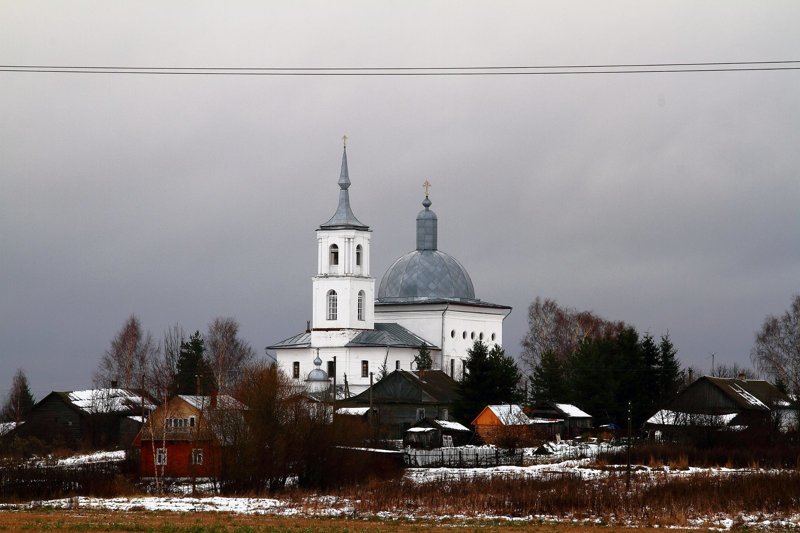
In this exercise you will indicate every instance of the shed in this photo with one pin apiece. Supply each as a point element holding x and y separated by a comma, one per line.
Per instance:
<point>572,420</point>
<point>508,425</point>
<point>431,433</point>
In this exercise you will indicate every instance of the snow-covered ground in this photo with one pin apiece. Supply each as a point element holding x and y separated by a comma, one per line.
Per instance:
<point>560,465</point>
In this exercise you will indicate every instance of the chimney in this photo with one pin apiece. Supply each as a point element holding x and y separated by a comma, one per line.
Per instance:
<point>113,383</point>
<point>742,376</point>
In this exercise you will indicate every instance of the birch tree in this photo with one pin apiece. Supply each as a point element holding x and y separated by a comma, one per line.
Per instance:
<point>776,352</point>
<point>227,354</point>
<point>128,358</point>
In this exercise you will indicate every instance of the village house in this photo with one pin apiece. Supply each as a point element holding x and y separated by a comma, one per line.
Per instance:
<point>92,418</point>
<point>726,404</point>
<point>186,436</point>
<point>571,421</point>
<point>403,397</point>
<point>508,426</point>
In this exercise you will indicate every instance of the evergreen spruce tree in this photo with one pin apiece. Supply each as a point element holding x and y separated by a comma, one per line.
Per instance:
<point>490,378</point>
<point>548,382</point>
<point>19,401</point>
<point>670,376</point>
<point>423,358</point>
<point>193,366</point>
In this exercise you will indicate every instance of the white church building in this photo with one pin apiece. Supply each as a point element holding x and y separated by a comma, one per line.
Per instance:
<point>426,298</point>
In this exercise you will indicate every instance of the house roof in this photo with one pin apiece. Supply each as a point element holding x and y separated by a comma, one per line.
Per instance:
<point>666,417</point>
<point>571,411</point>
<point>106,401</point>
<point>506,414</point>
<point>224,402</point>
<point>749,394</point>
<point>420,387</point>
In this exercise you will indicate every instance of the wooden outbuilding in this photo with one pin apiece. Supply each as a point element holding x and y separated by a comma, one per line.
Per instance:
<point>430,433</point>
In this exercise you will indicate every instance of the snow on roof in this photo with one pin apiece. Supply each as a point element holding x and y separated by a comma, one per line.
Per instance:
<point>545,420</point>
<point>665,417</point>
<point>5,427</point>
<point>108,400</point>
<point>748,397</point>
<point>447,424</point>
<point>572,411</point>
<point>510,415</point>
<point>202,402</point>
<point>420,430</point>
<point>352,411</point>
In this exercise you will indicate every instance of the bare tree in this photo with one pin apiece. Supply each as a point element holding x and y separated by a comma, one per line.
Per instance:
<point>560,330</point>
<point>128,358</point>
<point>776,352</point>
<point>733,371</point>
<point>163,369</point>
<point>228,355</point>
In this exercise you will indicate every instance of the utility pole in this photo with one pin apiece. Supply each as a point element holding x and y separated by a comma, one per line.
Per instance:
<point>371,422</point>
<point>628,477</point>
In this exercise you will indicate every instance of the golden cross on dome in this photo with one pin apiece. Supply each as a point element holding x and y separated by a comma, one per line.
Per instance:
<point>344,140</point>
<point>426,186</point>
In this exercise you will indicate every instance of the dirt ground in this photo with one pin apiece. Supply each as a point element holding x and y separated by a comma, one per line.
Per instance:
<point>164,522</point>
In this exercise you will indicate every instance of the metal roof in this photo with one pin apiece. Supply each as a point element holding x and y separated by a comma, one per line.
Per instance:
<point>301,340</point>
<point>389,334</point>
<point>344,218</point>
<point>424,275</point>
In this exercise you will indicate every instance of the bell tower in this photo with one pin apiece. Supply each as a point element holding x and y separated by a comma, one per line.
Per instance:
<point>343,290</point>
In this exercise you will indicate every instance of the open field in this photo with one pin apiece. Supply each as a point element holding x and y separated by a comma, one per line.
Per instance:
<point>173,522</point>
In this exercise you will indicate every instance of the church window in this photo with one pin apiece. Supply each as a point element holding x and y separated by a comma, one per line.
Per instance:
<point>480,336</point>
<point>332,311</point>
<point>361,305</point>
<point>453,334</point>
<point>358,255</point>
<point>493,336</point>
<point>334,255</point>
<point>397,365</point>
<point>472,335</point>
<point>364,369</point>
<point>463,334</point>
<point>331,368</point>
<point>296,370</point>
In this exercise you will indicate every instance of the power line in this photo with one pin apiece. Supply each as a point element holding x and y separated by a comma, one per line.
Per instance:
<point>491,70</point>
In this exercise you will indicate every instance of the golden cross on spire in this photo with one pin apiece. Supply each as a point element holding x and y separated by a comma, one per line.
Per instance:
<point>426,186</point>
<point>344,140</point>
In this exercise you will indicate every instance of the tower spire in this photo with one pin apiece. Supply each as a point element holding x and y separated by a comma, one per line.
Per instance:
<point>344,217</point>
<point>427,224</point>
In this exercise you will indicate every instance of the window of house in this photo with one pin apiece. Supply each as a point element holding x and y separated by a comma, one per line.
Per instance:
<point>444,414</point>
<point>296,370</point>
<point>364,369</point>
<point>191,421</point>
<point>358,255</point>
<point>334,253</point>
<point>447,441</point>
<point>197,456</point>
<point>420,413</point>
<point>332,311</point>
<point>161,456</point>
<point>361,305</point>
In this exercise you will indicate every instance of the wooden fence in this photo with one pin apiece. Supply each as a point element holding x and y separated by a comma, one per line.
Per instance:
<point>462,457</point>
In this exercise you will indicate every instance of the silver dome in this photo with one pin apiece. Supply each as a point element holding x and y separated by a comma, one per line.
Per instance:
<point>424,275</point>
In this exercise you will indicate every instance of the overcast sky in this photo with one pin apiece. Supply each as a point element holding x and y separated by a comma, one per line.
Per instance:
<point>669,201</point>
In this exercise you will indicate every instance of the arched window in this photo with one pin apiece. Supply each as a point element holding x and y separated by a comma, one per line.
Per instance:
<point>361,305</point>
<point>332,312</point>
<point>358,255</point>
<point>334,255</point>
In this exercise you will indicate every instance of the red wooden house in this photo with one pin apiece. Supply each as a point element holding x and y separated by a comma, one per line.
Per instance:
<point>186,436</point>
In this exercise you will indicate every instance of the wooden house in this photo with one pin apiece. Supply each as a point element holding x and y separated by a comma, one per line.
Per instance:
<point>508,426</point>
<point>403,397</point>
<point>93,418</point>
<point>713,403</point>
<point>186,436</point>
<point>571,421</point>
<point>430,433</point>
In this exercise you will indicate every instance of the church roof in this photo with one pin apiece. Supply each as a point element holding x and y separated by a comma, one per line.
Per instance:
<point>389,334</point>
<point>344,218</point>
<point>384,334</point>
<point>427,273</point>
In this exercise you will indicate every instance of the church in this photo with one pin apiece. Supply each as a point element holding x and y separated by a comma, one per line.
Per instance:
<point>426,298</point>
